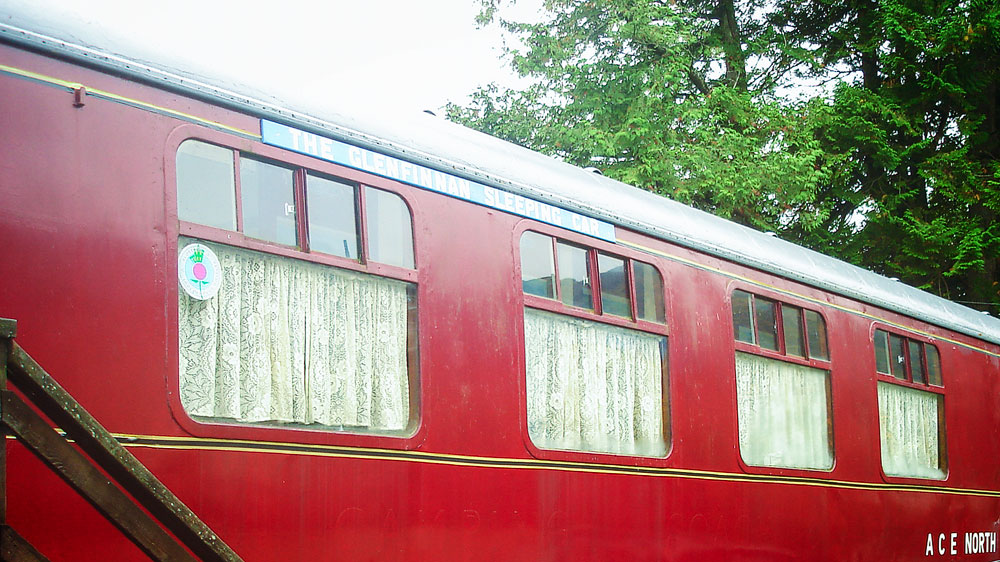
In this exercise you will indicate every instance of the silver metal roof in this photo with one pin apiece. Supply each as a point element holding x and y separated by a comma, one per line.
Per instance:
<point>434,142</point>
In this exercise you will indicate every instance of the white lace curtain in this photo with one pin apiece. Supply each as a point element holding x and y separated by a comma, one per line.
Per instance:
<point>291,341</point>
<point>909,431</point>
<point>783,414</point>
<point>593,387</point>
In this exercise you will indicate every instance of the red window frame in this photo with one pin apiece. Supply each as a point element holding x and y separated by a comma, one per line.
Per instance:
<point>596,312</point>
<point>556,305</point>
<point>781,353</point>
<point>302,165</point>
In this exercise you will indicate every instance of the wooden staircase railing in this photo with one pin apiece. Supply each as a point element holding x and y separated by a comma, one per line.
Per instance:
<point>132,499</point>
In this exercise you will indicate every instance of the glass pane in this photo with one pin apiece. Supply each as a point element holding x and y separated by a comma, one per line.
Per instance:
<point>206,185</point>
<point>916,362</point>
<point>816,332</point>
<point>390,234</point>
<point>933,365</point>
<point>648,292</point>
<point>574,276</point>
<point>594,387</point>
<point>791,323</point>
<point>333,224</point>
<point>614,286</point>
<point>783,413</point>
<point>742,317</point>
<point>329,365</point>
<point>911,435</point>
<point>538,272</point>
<point>767,323</point>
<point>897,357</point>
<point>882,352</point>
<point>268,201</point>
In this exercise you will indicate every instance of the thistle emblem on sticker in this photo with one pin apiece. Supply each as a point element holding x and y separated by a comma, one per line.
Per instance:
<point>198,271</point>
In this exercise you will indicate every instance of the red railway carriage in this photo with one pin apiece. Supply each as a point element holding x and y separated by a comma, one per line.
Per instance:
<point>344,340</point>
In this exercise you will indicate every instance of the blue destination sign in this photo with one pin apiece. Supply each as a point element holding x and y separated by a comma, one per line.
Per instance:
<point>276,134</point>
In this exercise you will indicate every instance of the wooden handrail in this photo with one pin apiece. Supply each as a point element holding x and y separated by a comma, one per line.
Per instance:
<point>105,452</point>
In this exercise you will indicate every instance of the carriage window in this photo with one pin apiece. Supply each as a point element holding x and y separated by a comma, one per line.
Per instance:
<point>791,321</point>
<point>802,334</point>
<point>287,341</point>
<point>390,234</point>
<point>783,403</point>
<point>648,292</point>
<point>816,330</point>
<point>906,359</point>
<point>333,225</point>
<point>911,407</point>
<point>596,368</point>
<point>623,288</point>
<point>538,270</point>
<point>783,412</point>
<point>614,286</point>
<point>574,276</point>
<point>766,321</point>
<point>268,199</point>
<point>206,185</point>
<point>743,317</point>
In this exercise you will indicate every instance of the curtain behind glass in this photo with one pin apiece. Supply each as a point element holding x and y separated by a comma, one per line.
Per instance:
<point>782,409</point>
<point>291,341</point>
<point>909,432</point>
<point>593,387</point>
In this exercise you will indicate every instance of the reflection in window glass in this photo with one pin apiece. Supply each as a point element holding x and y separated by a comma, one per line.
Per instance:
<point>816,332</point>
<point>882,352</point>
<point>742,317</point>
<point>614,286</point>
<point>538,273</point>
<point>390,234</point>
<point>333,225</point>
<point>574,276</point>
<point>268,201</point>
<point>916,362</point>
<point>766,320</point>
<point>933,365</point>
<point>206,188</point>
<point>791,323</point>
<point>648,292</point>
<point>897,357</point>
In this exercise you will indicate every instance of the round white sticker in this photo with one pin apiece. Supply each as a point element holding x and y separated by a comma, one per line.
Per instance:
<point>199,271</point>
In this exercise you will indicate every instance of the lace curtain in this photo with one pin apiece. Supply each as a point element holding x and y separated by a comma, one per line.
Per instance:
<point>783,415</point>
<point>593,387</point>
<point>291,341</point>
<point>909,431</point>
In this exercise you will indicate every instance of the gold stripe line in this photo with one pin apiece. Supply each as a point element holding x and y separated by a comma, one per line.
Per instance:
<point>211,444</point>
<point>123,99</point>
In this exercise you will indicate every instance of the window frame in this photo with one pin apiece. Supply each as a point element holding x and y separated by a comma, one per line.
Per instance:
<point>780,355</point>
<point>593,247</point>
<point>939,390</point>
<point>302,164</point>
<point>556,306</point>
<point>301,167</point>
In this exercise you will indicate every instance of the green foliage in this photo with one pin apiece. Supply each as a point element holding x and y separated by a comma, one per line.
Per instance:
<point>888,160</point>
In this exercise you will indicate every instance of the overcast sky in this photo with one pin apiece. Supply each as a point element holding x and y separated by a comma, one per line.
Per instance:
<point>398,55</point>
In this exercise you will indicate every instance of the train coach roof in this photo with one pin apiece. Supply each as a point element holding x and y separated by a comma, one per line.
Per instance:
<point>436,143</point>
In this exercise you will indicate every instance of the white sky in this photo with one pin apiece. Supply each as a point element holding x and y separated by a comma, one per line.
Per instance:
<point>393,55</point>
